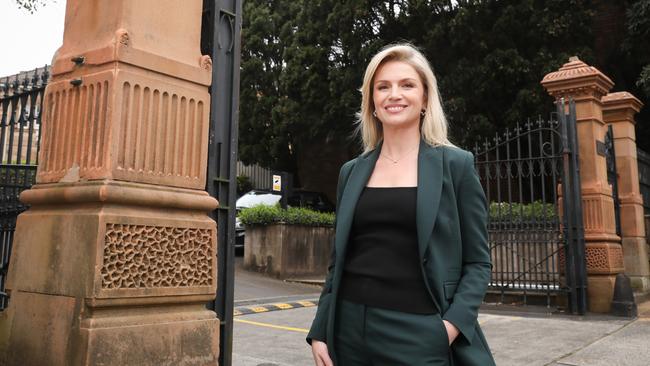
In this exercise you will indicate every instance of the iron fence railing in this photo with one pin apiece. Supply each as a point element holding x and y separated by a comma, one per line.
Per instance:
<point>521,171</point>
<point>21,101</point>
<point>643,161</point>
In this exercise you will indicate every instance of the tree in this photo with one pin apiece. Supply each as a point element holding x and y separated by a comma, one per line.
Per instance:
<point>635,48</point>
<point>490,57</point>
<point>32,5</point>
<point>303,64</point>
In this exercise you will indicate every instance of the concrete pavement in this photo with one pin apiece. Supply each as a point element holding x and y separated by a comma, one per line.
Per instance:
<point>533,337</point>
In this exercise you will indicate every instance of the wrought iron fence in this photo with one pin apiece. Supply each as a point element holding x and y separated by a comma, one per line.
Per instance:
<point>21,101</point>
<point>522,171</point>
<point>643,161</point>
<point>609,152</point>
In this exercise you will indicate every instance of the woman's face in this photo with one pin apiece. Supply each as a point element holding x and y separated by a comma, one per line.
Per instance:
<point>398,94</point>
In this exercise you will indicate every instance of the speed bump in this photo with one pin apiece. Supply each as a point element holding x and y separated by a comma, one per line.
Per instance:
<point>245,310</point>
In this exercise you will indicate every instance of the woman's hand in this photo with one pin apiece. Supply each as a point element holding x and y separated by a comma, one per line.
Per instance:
<point>452,331</point>
<point>320,353</point>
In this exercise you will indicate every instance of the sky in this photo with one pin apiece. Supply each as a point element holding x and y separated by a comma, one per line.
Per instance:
<point>29,40</point>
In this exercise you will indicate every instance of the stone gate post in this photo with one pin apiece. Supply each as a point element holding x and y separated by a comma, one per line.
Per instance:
<point>587,85</point>
<point>619,110</point>
<point>116,258</point>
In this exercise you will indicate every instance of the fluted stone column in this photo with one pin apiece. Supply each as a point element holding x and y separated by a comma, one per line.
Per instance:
<point>619,110</point>
<point>116,258</point>
<point>587,85</point>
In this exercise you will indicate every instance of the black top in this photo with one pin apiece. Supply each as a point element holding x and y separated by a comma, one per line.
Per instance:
<point>382,266</point>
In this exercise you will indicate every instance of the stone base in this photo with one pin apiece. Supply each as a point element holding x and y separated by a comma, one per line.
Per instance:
<point>109,282</point>
<point>48,331</point>
<point>635,255</point>
<point>600,291</point>
<point>640,283</point>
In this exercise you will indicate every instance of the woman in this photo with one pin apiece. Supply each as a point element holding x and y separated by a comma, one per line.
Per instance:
<point>410,263</point>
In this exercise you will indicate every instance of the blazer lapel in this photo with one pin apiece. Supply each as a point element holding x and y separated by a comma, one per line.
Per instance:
<point>430,173</point>
<point>356,182</point>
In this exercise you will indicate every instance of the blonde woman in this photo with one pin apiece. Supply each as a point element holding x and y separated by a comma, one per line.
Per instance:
<point>411,262</point>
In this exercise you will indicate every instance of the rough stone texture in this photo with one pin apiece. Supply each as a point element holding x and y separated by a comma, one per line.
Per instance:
<point>181,338</point>
<point>40,329</point>
<point>116,258</point>
<point>285,251</point>
<point>600,292</point>
<point>587,86</point>
<point>635,252</point>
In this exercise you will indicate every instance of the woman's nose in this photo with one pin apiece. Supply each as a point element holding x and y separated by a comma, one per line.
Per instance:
<point>395,93</point>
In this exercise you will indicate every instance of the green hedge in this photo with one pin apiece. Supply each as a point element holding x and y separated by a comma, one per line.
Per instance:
<point>522,212</point>
<point>264,215</point>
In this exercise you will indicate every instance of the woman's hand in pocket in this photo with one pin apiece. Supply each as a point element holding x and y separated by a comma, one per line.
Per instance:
<point>321,355</point>
<point>452,331</point>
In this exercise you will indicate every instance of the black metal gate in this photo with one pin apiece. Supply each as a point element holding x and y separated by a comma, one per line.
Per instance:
<point>21,101</point>
<point>220,39</point>
<point>531,179</point>
<point>609,152</point>
<point>643,162</point>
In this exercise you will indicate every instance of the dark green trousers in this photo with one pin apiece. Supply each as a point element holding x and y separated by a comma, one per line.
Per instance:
<point>369,336</point>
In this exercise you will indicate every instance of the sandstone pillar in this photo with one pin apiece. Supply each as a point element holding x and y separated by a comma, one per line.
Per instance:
<point>587,85</point>
<point>619,110</point>
<point>116,258</point>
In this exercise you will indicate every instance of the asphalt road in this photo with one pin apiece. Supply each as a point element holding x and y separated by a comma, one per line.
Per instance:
<point>531,337</point>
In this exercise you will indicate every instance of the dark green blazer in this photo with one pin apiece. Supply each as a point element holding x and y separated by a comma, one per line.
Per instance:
<point>451,215</point>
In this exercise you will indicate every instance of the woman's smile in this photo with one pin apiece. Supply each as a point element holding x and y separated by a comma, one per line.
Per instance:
<point>395,108</point>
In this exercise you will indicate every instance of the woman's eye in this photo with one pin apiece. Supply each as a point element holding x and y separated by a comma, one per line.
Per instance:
<point>409,85</point>
<point>382,87</point>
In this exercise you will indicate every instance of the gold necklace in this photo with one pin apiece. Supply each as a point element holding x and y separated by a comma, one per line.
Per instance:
<point>394,161</point>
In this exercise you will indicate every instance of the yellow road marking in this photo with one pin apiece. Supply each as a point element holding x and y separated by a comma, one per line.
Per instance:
<point>272,326</point>
<point>236,312</point>
<point>259,309</point>
<point>306,303</point>
<point>283,305</point>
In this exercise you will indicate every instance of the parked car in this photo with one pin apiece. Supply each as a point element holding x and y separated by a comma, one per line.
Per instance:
<point>250,199</point>
<point>299,198</point>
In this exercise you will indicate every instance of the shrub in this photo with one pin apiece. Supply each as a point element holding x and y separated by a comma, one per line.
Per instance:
<point>515,211</point>
<point>265,214</point>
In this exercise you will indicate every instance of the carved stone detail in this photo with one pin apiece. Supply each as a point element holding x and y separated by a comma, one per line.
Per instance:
<point>205,62</point>
<point>144,256</point>
<point>162,133</point>
<point>604,258</point>
<point>75,128</point>
<point>122,37</point>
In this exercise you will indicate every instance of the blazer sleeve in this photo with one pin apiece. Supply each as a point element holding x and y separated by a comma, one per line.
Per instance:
<point>319,325</point>
<point>476,264</point>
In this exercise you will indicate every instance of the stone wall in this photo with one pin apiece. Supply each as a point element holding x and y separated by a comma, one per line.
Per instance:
<point>286,251</point>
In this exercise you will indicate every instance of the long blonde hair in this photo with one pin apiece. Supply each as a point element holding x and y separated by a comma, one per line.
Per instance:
<point>433,126</point>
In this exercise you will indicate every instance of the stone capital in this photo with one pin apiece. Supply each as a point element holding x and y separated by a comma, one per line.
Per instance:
<point>620,107</point>
<point>578,80</point>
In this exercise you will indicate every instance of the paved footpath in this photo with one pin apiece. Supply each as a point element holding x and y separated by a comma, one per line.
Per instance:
<point>531,338</point>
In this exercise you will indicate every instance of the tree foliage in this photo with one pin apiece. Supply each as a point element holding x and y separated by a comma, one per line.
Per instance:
<point>32,5</point>
<point>638,40</point>
<point>303,63</point>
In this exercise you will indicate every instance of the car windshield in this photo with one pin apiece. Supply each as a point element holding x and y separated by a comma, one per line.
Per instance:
<point>253,198</point>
